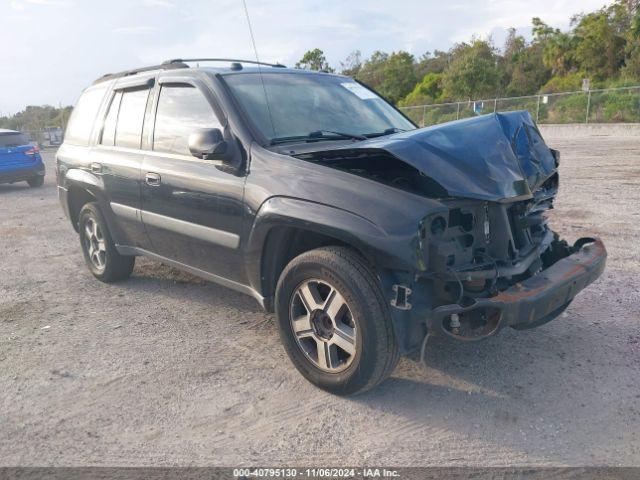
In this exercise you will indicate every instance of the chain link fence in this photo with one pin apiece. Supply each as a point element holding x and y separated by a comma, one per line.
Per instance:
<point>609,105</point>
<point>45,137</point>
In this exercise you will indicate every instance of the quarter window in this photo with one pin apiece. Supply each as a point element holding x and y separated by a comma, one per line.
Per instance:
<point>130,118</point>
<point>83,116</point>
<point>182,109</point>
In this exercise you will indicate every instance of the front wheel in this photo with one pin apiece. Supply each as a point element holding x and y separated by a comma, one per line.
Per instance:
<point>334,322</point>
<point>99,250</point>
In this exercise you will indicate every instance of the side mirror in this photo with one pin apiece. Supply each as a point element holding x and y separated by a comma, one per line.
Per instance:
<point>208,144</point>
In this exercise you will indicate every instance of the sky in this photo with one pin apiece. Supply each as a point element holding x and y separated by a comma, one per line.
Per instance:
<point>52,49</point>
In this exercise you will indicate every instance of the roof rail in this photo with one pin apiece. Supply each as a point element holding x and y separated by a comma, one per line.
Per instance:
<point>126,73</point>
<point>231,60</point>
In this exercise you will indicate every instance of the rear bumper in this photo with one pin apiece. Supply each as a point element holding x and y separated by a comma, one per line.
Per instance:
<point>528,304</point>
<point>20,174</point>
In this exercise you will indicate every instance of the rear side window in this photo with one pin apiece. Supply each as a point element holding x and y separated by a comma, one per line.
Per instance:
<point>182,109</point>
<point>13,140</point>
<point>130,118</point>
<point>83,116</point>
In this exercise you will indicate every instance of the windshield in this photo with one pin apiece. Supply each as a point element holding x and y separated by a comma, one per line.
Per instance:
<point>301,105</point>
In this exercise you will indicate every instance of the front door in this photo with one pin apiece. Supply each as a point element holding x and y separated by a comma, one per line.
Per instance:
<point>191,209</point>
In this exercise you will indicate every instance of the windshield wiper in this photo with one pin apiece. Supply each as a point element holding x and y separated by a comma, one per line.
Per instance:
<point>318,135</point>
<point>388,131</point>
<point>321,134</point>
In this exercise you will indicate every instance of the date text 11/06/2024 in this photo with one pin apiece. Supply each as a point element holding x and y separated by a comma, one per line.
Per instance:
<point>315,473</point>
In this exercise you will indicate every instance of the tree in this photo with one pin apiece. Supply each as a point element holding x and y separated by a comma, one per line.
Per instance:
<point>371,71</point>
<point>527,71</point>
<point>393,76</point>
<point>473,71</point>
<point>428,90</point>
<point>36,118</point>
<point>523,64</point>
<point>631,70</point>
<point>600,44</point>
<point>435,62</point>
<point>352,64</point>
<point>399,76</point>
<point>314,60</point>
<point>558,48</point>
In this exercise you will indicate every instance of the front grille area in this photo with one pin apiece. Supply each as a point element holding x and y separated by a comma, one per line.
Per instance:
<point>489,244</point>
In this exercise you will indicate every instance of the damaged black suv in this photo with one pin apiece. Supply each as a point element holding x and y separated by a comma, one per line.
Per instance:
<point>311,193</point>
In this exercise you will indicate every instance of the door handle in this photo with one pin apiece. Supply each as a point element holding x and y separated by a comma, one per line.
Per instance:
<point>96,167</point>
<point>152,179</point>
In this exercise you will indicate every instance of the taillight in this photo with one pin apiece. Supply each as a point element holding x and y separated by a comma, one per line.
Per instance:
<point>32,151</point>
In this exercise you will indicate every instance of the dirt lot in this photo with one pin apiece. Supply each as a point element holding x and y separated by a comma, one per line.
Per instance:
<point>166,369</point>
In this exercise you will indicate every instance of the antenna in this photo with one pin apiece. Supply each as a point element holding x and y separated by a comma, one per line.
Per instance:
<point>255,50</point>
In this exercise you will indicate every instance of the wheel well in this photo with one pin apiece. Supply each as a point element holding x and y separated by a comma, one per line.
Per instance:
<point>282,245</point>
<point>78,197</point>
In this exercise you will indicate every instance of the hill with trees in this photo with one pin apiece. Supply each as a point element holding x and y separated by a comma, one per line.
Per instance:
<point>603,46</point>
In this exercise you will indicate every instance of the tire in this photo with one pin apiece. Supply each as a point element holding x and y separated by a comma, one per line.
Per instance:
<point>357,340</point>
<point>36,181</point>
<point>100,254</point>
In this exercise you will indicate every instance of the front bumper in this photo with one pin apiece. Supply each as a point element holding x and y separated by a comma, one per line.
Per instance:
<point>527,304</point>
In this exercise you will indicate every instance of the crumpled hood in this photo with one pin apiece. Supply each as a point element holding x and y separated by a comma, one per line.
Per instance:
<point>490,157</point>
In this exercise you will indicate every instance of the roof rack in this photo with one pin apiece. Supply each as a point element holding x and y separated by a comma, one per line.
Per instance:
<point>181,63</point>
<point>126,73</point>
<point>234,62</point>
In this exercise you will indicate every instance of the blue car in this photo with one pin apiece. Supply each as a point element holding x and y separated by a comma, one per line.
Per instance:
<point>19,160</point>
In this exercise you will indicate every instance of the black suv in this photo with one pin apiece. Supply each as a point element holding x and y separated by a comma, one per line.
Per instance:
<point>314,195</point>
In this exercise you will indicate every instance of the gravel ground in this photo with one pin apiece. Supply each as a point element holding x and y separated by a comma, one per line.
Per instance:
<point>167,369</point>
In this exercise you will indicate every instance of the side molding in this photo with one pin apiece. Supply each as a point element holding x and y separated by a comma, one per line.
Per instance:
<point>125,211</point>
<point>207,234</point>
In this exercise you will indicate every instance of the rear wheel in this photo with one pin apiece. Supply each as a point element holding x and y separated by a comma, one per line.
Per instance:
<point>99,250</point>
<point>334,322</point>
<point>36,181</point>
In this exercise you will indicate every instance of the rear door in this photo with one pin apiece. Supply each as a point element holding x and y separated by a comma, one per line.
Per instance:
<point>191,209</point>
<point>118,157</point>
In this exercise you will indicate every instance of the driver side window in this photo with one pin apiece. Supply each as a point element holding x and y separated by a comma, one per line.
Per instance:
<point>182,109</point>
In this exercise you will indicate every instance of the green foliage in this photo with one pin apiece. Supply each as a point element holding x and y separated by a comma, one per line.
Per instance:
<point>36,118</point>
<point>622,106</point>
<point>564,109</point>
<point>435,62</point>
<point>599,43</point>
<point>371,71</point>
<point>399,76</point>
<point>631,70</point>
<point>314,60</point>
<point>352,64</point>
<point>603,46</point>
<point>393,76</point>
<point>567,83</point>
<point>428,90</point>
<point>474,71</point>
<point>526,71</point>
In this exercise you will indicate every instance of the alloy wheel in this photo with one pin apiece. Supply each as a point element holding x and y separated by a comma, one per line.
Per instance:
<point>323,325</point>
<point>95,243</point>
